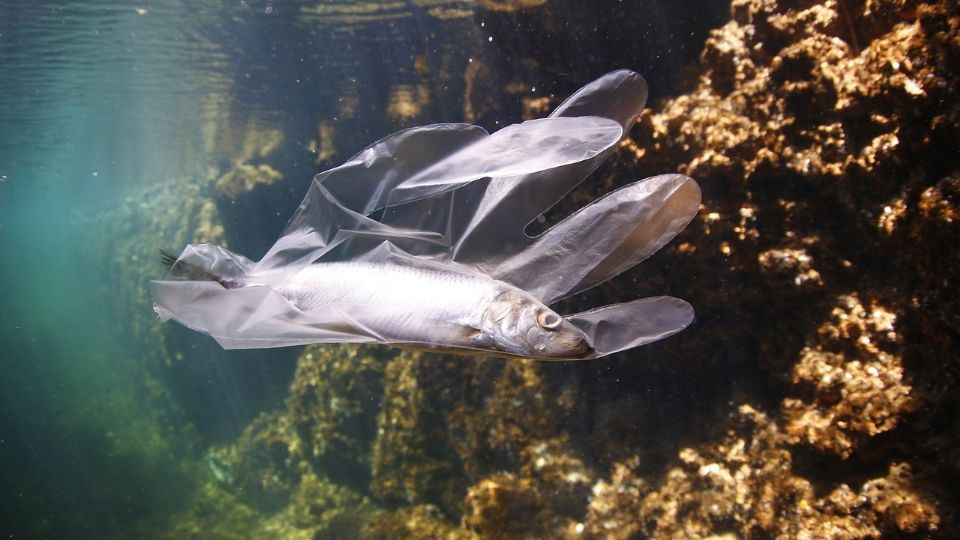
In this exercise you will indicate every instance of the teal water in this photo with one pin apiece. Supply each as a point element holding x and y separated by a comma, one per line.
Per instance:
<point>115,118</point>
<point>95,100</point>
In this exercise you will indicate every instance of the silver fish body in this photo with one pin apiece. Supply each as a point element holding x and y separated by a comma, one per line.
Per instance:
<point>433,308</point>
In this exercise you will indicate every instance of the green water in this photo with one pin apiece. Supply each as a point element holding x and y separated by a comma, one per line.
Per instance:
<point>90,115</point>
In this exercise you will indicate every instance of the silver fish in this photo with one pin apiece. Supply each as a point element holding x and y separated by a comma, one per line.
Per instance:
<point>446,264</point>
<point>433,308</point>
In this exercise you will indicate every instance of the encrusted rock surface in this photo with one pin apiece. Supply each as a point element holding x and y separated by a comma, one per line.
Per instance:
<point>856,378</point>
<point>745,485</point>
<point>245,177</point>
<point>333,406</point>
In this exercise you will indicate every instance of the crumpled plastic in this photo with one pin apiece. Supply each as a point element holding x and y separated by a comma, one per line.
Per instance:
<point>453,195</point>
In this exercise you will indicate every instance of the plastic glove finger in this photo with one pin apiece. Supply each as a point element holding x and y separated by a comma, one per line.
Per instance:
<point>509,205</point>
<point>514,151</point>
<point>603,239</point>
<point>619,95</point>
<point>619,327</point>
<point>363,183</point>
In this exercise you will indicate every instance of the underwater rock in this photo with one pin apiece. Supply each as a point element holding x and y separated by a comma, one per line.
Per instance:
<point>745,484</point>
<point>317,509</point>
<point>435,437</point>
<point>820,135</point>
<point>320,508</point>
<point>235,139</point>
<point>547,498</point>
<point>507,407</point>
<point>481,97</point>
<point>208,228</point>
<point>407,102</point>
<point>420,522</point>
<point>792,264</point>
<point>510,5</point>
<point>563,481</point>
<point>323,147</point>
<point>333,404</point>
<point>411,456</point>
<point>503,506</point>
<point>215,514</point>
<point>127,247</point>
<point>245,177</point>
<point>351,14</point>
<point>291,473</point>
<point>264,466</point>
<point>927,239</point>
<point>856,372</point>
<point>400,462</point>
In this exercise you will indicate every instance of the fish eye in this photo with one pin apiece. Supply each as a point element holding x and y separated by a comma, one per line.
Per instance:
<point>548,320</point>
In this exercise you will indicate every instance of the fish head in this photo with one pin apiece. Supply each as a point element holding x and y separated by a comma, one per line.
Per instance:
<point>516,323</point>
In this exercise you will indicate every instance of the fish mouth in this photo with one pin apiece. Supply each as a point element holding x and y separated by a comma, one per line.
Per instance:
<point>572,348</point>
<point>583,349</point>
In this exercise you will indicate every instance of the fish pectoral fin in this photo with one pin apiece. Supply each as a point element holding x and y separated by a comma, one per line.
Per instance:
<point>450,335</point>
<point>449,338</point>
<point>461,333</point>
<point>459,351</point>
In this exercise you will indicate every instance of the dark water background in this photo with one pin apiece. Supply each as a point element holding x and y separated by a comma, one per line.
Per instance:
<point>106,115</point>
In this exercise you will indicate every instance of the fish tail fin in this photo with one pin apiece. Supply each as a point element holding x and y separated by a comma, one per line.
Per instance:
<point>193,272</point>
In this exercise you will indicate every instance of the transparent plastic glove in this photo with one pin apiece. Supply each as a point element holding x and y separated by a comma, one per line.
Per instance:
<point>648,320</point>
<point>425,162</point>
<point>450,198</point>
<point>601,240</point>
<point>507,205</point>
